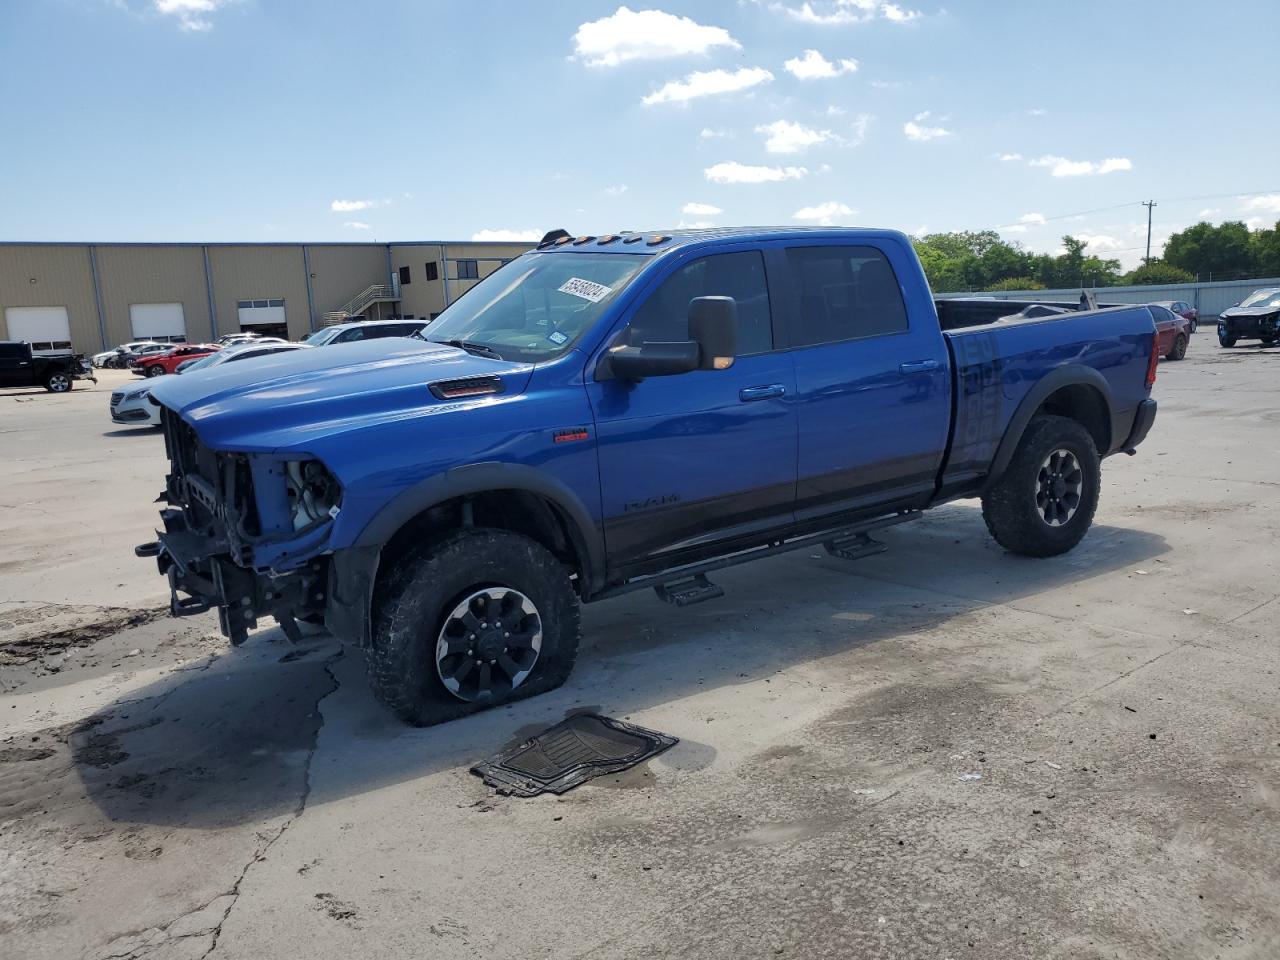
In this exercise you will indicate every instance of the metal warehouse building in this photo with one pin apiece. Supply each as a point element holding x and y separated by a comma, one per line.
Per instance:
<point>92,296</point>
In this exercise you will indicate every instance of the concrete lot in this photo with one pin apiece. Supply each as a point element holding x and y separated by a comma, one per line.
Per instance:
<point>162,796</point>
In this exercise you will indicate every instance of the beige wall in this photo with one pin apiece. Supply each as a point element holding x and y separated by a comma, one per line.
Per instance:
<point>338,273</point>
<point>422,298</point>
<point>146,274</point>
<point>62,279</point>
<point>245,272</point>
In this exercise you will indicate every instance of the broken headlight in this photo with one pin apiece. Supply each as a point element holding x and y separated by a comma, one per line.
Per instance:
<point>314,492</point>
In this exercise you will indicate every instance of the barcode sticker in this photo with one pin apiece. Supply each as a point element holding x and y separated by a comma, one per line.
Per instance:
<point>586,289</point>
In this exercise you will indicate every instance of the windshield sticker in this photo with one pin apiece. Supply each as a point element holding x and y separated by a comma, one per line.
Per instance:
<point>586,289</point>
<point>556,337</point>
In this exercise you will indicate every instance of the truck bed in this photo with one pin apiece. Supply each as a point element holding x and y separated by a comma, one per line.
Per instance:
<point>996,364</point>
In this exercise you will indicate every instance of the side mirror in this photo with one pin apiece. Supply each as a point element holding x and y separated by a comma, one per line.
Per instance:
<point>712,345</point>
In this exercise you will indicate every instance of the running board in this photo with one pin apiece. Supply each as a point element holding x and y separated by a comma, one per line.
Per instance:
<point>682,593</point>
<point>848,535</point>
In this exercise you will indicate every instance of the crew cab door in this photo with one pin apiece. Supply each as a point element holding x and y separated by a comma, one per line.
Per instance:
<point>15,365</point>
<point>696,457</point>
<point>873,378</point>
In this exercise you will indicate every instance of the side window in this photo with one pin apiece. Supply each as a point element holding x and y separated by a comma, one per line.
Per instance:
<point>432,270</point>
<point>405,279</point>
<point>468,269</point>
<point>845,293</point>
<point>665,315</point>
<point>355,333</point>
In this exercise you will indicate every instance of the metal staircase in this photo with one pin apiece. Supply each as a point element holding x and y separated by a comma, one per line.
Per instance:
<point>362,301</point>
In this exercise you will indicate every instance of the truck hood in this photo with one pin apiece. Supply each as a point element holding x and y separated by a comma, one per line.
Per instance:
<point>282,400</point>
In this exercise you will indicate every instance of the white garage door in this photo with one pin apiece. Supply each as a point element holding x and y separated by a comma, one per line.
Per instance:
<point>157,321</point>
<point>260,313</point>
<point>47,329</point>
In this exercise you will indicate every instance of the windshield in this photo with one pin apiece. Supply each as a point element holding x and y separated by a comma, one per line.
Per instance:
<point>538,305</point>
<point>208,361</point>
<point>323,335</point>
<point>1262,298</point>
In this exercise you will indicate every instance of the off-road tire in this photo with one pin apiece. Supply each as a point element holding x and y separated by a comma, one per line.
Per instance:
<point>1009,505</point>
<point>1179,348</point>
<point>155,370</point>
<point>58,382</point>
<point>412,600</point>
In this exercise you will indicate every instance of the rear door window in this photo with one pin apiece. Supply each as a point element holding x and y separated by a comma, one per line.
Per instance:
<point>845,293</point>
<point>664,317</point>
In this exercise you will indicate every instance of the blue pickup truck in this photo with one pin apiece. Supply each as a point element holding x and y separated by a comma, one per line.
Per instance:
<point>610,413</point>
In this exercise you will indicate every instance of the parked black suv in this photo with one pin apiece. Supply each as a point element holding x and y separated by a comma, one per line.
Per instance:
<point>1256,317</point>
<point>18,368</point>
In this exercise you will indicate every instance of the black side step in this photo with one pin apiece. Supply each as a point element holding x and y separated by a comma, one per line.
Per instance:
<point>682,593</point>
<point>855,547</point>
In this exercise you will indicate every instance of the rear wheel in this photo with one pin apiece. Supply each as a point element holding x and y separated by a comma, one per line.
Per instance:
<point>1195,325</point>
<point>477,618</point>
<point>1044,503</point>
<point>58,382</point>
<point>1179,348</point>
<point>1269,341</point>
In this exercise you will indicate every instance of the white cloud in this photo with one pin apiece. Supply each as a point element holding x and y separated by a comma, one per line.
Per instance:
<point>861,124</point>
<point>1037,112</point>
<point>1099,242</point>
<point>834,111</point>
<point>833,13</point>
<point>694,225</point>
<point>710,133</point>
<point>1255,223</point>
<point>190,14</point>
<point>1034,219</point>
<point>1014,228</point>
<point>811,65</point>
<point>783,136</point>
<point>1209,212</point>
<point>701,209</point>
<point>887,84</point>
<point>734,172</point>
<point>915,128</point>
<point>1062,167</point>
<point>1268,202</point>
<point>645,35</point>
<point>357,225</point>
<point>1009,156</point>
<point>921,231</point>
<point>824,214</point>
<point>349,206</point>
<point>507,236</point>
<point>617,190</point>
<point>703,83</point>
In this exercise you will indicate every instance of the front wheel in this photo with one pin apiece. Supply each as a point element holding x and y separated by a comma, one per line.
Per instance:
<point>1195,325</point>
<point>1179,348</point>
<point>477,618</point>
<point>1044,503</point>
<point>155,370</point>
<point>1225,339</point>
<point>58,382</point>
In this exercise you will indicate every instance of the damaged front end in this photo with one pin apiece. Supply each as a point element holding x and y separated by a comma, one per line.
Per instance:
<point>246,533</point>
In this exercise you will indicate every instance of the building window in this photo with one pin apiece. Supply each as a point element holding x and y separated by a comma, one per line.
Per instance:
<point>404,276</point>
<point>435,314</point>
<point>468,269</point>
<point>433,270</point>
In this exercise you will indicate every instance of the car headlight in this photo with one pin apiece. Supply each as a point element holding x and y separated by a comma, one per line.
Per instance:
<point>314,492</point>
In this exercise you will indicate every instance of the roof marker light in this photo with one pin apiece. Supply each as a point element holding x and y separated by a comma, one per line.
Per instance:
<point>634,238</point>
<point>563,240</point>
<point>608,239</point>
<point>655,240</point>
<point>581,240</point>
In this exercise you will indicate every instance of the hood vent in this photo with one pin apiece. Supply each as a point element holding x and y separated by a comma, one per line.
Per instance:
<point>467,387</point>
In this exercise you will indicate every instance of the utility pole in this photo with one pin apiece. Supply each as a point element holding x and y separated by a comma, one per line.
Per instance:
<point>1148,204</point>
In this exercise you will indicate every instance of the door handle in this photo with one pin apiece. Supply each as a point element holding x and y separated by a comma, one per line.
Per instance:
<point>764,392</point>
<point>918,366</point>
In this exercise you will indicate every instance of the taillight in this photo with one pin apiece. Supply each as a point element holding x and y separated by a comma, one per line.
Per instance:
<point>1154,361</point>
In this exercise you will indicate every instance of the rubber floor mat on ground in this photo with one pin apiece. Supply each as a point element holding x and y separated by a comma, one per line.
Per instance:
<point>570,753</point>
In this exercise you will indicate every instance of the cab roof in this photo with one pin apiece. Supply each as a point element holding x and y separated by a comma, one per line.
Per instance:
<point>662,241</point>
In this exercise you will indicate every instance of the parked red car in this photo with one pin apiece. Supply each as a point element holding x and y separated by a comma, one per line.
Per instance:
<point>1183,309</point>
<point>1174,331</point>
<point>155,365</point>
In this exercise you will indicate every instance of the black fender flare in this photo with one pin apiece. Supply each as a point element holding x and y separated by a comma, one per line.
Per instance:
<point>587,539</point>
<point>1071,375</point>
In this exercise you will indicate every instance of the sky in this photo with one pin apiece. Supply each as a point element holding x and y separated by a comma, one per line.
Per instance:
<point>315,120</point>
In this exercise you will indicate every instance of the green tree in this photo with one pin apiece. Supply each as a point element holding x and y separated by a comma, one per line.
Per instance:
<point>1204,250</point>
<point>1017,283</point>
<point>1265,249</point>
<point>1157,271</point>
<point>1075,268</point>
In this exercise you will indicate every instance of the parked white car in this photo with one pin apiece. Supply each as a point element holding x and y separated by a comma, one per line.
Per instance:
<point>110,358</point>
<point>132,406</point>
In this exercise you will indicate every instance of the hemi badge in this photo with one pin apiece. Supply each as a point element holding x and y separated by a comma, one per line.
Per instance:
<point>573,433</point>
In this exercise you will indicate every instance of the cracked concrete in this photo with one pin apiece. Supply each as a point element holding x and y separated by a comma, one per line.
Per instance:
<point>942,751</point>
